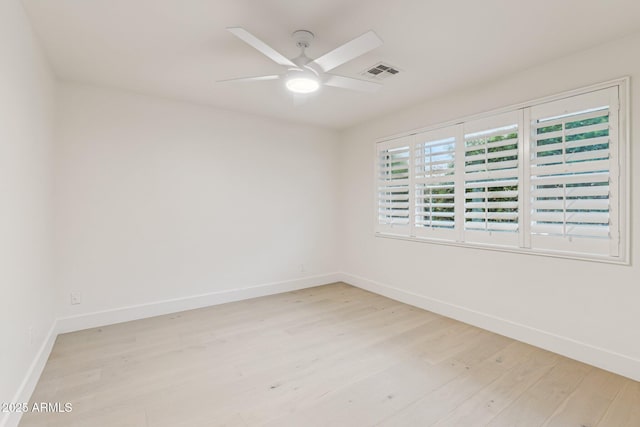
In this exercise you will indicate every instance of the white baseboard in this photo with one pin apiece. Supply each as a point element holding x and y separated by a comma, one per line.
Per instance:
<point>592,355</point>
<point>157,308</point>
<point>12,419</point>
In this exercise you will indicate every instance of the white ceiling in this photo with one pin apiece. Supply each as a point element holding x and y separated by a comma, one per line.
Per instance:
<point>179,48</point>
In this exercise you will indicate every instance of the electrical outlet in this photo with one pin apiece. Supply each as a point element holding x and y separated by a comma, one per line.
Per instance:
<point>301,268</point>
<point>31,335</point>
<point>76,297</point>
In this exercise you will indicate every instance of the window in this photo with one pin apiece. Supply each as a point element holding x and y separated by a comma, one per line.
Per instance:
<point>393,186</point>
<point>573,143</point>
<point>434,184</point>
<point>491,175</point>
<point>546,178</point>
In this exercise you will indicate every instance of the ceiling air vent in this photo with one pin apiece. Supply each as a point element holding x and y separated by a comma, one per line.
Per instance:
<point>380,71</point>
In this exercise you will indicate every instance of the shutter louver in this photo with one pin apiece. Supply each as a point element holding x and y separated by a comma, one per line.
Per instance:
<point>393,187</point>
<point>434,183</point>
<point>491,174</point>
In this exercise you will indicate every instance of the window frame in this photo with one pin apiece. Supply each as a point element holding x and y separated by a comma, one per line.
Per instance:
<point>621,208</point>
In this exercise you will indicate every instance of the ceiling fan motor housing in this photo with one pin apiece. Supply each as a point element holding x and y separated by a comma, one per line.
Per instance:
<point>302,38</point>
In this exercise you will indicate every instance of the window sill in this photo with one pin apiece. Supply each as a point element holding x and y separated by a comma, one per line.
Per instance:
<point>509,249</point>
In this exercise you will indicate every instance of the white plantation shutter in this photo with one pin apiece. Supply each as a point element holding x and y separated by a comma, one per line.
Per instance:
<point>434,183</point>
<point>574,174</point>
<point>393,190</point>
<point>491,175</point>
<point>545,178</point>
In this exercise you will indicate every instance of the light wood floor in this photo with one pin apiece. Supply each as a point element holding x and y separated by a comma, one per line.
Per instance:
<point>327,356</point>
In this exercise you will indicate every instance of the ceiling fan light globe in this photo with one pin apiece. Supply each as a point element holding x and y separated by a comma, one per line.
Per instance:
<point>302,84</point>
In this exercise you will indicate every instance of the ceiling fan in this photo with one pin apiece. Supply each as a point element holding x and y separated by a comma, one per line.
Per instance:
<point>304,75</point>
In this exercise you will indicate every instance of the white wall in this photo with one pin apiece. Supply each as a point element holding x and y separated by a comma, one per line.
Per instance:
<point>586,310</point>
<point>157,200</point>
<point>26,291</point>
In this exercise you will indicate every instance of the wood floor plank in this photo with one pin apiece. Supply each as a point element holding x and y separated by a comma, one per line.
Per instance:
<point>624,411</point>
<point>331,355</point>
<point>589,402</point>
<point>484,405</point>
<point>436,405</point>
<point>377,396</point>
<point>539,402</point>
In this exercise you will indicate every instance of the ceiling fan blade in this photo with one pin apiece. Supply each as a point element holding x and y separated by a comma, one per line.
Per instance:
<point>251,79</point>
<point>348,51</point>
<point>353,84</point>
<point>261,46</point>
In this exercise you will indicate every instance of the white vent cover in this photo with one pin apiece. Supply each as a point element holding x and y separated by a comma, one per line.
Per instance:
<point>380,71</point>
